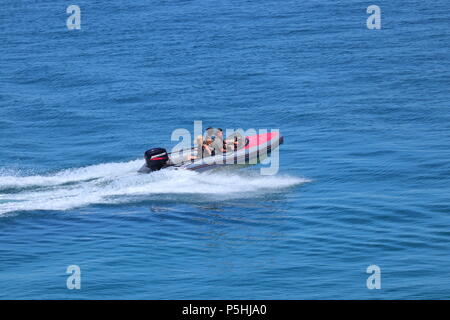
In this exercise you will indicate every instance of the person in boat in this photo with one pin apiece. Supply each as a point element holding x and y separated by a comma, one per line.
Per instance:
<point>209,133</point>
<point>203,148</point>
<point>218,145</point>
<point>234,142</point>
<point>230,144</point>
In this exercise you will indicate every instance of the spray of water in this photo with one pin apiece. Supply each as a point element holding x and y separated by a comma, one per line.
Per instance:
<point>111,183</point>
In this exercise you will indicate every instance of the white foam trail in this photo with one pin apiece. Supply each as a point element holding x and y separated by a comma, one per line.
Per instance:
<point>70,175</point>
<point>120,183</point>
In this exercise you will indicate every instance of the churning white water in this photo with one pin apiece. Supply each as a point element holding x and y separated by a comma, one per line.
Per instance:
<point>119,182</point>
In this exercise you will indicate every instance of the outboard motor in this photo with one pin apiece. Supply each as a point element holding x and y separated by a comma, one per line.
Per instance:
<point>156,158</point>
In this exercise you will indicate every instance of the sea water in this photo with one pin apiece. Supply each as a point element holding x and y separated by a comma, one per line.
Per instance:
<point>364,171</point>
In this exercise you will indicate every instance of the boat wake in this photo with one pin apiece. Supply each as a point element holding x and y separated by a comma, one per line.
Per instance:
<point>115,183</point>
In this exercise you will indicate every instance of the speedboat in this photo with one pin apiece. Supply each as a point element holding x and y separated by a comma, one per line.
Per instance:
<point>249,150</point>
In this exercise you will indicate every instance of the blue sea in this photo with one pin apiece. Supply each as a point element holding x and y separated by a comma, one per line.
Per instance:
<point>364,169</point>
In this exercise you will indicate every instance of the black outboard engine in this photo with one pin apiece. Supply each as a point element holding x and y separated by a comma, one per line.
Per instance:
<point>156,158</point>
